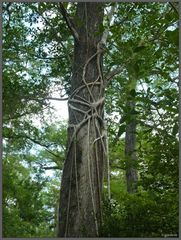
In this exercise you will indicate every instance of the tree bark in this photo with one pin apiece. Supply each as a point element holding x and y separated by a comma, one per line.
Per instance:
<point>130,147</point>
<point>81,186</point>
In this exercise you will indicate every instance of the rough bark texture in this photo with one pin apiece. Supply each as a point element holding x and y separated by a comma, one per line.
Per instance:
<point>130,151</point>
<point>81,186</point>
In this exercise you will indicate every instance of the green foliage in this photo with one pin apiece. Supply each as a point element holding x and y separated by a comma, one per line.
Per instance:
<point>30,197</point>
<point>37,61</point>
<point>143,214</point>
<point>146,79</point>
<point>23,213</point>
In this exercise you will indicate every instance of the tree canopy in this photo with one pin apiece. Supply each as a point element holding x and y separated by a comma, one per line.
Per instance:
<point>140,66</point>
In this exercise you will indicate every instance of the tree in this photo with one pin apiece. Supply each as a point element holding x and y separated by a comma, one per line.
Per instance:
<point>137,67</point>
<point>130,140</point>
<point>81,188</point>
<point>139,62</point>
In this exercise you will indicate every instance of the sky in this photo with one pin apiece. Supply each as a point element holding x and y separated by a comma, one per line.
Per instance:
<point>61,108</point>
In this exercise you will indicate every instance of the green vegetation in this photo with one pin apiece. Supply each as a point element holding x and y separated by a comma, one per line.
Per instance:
<point>37,63</point>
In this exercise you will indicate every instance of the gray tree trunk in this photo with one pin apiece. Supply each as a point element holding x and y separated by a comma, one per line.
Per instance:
<point>130,147</point>
<point>81,186</point>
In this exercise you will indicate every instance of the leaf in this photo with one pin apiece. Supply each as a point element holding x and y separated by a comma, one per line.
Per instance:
<point>175,129</point>
<point>173,36</point>
<point>122,129</point>
<point>133,93</point>
<point>139,48</point>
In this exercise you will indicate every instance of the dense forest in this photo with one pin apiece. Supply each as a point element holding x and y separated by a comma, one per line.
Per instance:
<point>111,168</point>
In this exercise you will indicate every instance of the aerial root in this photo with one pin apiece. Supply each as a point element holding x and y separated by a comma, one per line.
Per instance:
<point>90,115</point>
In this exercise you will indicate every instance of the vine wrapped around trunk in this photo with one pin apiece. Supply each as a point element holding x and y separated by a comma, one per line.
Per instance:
<point>81,188</point>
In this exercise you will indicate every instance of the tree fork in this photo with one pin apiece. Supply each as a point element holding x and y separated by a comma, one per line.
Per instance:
<point>81,186</point>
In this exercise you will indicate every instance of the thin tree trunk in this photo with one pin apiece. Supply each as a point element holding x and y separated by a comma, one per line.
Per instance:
<point>81,186</point>
<point>130,147</point>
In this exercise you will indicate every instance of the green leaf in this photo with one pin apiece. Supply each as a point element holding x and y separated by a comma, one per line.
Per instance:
<point>140,48</point>
<point>122,129</point>
<point>133,93</point>
<point>173,36</point>
<point>175,129</point>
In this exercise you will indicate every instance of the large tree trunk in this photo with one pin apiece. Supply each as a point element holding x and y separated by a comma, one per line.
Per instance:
<point>81,186</point>
<point>130,147</point>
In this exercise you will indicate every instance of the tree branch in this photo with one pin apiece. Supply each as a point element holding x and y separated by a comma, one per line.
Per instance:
<point>34,141</point>
<point>51,168</point>
<point>43,145</point>
<point>111,74</point>
<point>16,116</point>
<point>116,71</point>
<point>68,21</point>
<point>56,99</point>
<point>106,32</point>
<point>174,7</point>
<point>59,40</point>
